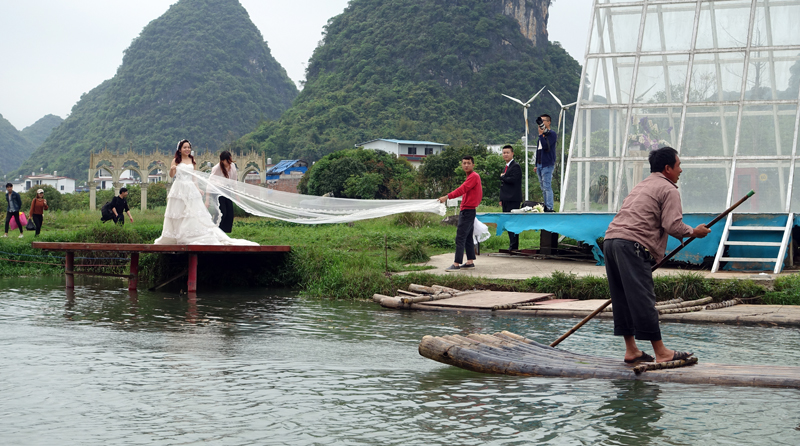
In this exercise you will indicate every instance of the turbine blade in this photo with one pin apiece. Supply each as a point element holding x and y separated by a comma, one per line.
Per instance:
<point>534,97</point>
<point>569,105</point>
<point>514,99</point>
<point>554,97</point>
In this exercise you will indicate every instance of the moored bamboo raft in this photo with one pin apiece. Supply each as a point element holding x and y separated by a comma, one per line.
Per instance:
<point>510,354</point>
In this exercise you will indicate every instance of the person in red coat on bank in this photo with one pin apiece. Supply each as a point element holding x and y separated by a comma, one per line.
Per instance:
<point>473,194</point>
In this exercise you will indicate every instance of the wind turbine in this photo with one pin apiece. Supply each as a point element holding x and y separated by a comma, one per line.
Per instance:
<point>525,107</point>
<point>563,134</point>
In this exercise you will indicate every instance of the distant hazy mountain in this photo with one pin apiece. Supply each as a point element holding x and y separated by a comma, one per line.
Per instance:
<point>423,70</point>
<point>38,132</point>
<point>201,71</point>
<point>14,148</point>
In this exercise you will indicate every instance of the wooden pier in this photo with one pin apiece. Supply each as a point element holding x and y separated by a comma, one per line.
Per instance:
<point>135,249</point>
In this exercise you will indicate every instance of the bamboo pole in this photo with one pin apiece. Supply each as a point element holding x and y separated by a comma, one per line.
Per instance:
<point>664,365</point>
<point>658,304</point>
<point>658,265</point>
<point>727,303</point>
<point>421,289</point>
<point>688,303</point>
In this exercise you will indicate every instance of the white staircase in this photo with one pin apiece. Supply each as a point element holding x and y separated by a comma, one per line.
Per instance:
<point>730,228</point>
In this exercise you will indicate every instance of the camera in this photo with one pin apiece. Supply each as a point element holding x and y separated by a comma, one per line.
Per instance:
<point>540,123</point>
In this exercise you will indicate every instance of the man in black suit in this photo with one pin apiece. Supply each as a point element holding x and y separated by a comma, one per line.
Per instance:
<point>511,190</point>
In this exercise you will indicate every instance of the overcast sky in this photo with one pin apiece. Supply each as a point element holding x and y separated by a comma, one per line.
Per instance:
<point>53,51</point>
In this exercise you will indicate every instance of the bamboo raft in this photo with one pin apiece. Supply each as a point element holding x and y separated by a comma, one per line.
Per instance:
<point>510,354</point>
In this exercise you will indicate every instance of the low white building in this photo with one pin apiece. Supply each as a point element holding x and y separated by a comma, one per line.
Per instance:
<point>64,185</point>
<point>413,151</point>
<point>105,181</point>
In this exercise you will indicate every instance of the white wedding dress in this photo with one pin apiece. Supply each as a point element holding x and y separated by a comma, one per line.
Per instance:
<point>187,221</point>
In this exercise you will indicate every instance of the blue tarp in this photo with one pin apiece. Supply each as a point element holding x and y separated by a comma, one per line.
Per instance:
<point>587,228</point>
<point>284,167</point>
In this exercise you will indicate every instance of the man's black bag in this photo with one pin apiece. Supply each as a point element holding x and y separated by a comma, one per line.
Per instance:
<point>106,213</point>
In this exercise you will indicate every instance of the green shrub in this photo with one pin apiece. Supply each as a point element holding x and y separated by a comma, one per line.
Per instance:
<point>786,291</point>
<point>570,286</point>
<point>413,252</point>
<point>156,195</point>
<point>687,286</point>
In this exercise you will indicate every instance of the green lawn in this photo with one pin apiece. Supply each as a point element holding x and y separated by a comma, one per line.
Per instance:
<point>350,261</point>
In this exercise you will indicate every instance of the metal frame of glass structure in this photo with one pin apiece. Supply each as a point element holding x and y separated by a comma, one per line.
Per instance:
<point>717,80</point>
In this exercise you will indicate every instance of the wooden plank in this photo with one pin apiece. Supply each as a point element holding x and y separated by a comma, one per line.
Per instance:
<point>91,273</point>
<point>555,301</point>
<point>236,249</point>
<point>511,354</point>
<point>140,247</point>
<point>757,228</point>
<point>488,299</point>
<point>585,305</point>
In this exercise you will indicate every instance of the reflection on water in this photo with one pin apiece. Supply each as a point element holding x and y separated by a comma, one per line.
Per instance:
<point>634,411</point>
<point>105,366</point>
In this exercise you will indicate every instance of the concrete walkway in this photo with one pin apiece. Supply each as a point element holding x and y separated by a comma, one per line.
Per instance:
<point>503,266</point>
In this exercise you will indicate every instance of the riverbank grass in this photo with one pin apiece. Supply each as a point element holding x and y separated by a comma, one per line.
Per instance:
<point>348,261</point>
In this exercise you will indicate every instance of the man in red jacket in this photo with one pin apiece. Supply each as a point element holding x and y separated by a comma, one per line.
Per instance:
<point>473,194</point>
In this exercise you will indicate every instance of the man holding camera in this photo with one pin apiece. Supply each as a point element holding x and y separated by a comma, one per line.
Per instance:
<point>546,160</point>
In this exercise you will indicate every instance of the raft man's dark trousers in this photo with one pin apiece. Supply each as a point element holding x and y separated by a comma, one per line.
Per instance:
<point>630,280</point>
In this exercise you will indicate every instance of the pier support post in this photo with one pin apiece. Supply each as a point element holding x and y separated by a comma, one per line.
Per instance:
<point>133,281</point>
<point>192,284</point>
<point>69,267</point>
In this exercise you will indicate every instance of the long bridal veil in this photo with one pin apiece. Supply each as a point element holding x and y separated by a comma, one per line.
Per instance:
<point>298,208</point>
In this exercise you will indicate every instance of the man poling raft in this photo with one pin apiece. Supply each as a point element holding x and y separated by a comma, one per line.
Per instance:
<point>635,240</point>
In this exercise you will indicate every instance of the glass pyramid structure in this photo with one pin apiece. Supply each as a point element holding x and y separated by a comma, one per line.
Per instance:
<point>717,80</point>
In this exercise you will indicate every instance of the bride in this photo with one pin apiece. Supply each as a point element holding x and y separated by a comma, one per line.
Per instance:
<point>186,220</point>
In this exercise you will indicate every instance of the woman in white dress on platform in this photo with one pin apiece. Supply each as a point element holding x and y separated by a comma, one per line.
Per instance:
<point>186,219</point>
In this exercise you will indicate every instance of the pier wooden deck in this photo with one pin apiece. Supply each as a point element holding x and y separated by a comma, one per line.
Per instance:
<point>134,249</point>
<point>510,354</point>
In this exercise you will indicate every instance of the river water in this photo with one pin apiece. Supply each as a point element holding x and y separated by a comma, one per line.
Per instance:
<point>253,367</point>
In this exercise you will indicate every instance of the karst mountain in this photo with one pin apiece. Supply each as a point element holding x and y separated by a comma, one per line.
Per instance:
<point>201,71</point>
<point>423,70</point>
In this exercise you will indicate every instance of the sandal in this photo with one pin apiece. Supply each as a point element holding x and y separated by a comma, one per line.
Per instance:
<point>680,356</point>
<point>643,358</point>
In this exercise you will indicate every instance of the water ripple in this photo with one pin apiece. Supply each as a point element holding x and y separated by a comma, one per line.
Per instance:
<point>243,368</point>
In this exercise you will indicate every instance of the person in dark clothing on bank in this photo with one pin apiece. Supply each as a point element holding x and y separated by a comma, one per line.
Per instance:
<point>119,205</point>
<point>546,160</point>
<point>12,210</point>
<point>511,190</point>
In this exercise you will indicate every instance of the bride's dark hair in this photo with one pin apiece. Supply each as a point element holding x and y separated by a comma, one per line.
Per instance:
<point>178,156</point>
